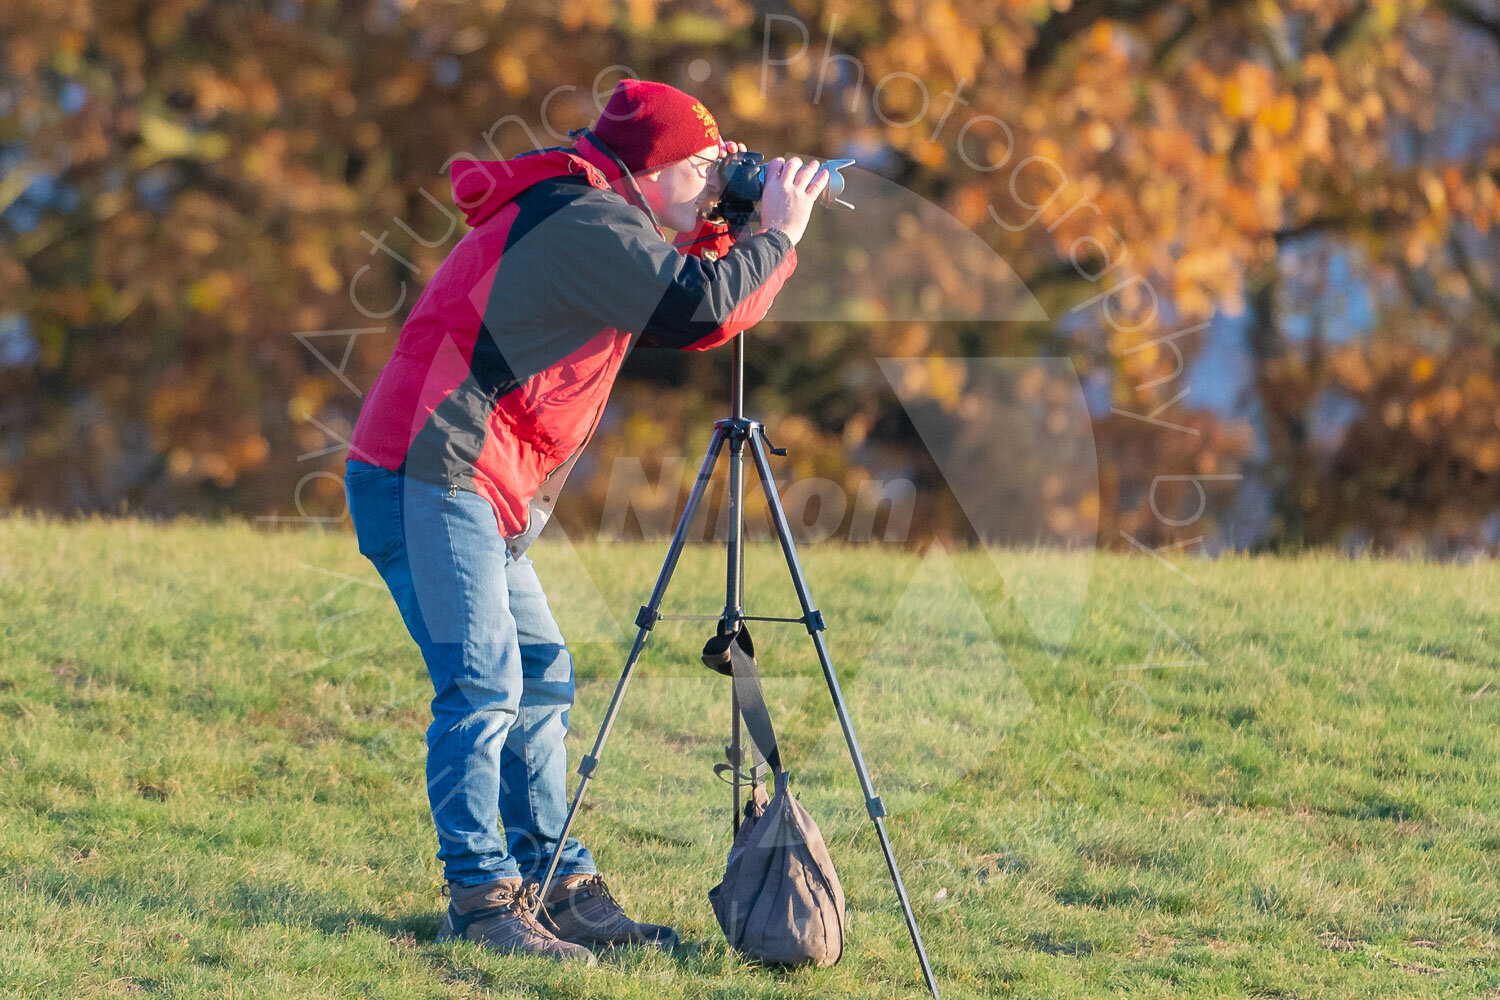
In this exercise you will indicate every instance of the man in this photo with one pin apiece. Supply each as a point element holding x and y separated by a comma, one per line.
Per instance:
<point>496,383</point>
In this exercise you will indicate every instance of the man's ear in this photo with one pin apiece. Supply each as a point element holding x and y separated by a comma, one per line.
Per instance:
<point>652,175</point>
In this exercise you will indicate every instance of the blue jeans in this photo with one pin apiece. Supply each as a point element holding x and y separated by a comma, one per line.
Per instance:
<point>502,678</point>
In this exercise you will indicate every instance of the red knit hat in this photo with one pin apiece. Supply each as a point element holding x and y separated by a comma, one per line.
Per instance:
<point>649,125</point>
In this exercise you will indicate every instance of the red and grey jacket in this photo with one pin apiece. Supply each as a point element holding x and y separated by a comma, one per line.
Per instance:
<point>505,363</point>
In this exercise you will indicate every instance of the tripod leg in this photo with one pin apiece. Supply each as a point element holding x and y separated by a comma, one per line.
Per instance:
<point>644,620</point>
<point>814,621</point>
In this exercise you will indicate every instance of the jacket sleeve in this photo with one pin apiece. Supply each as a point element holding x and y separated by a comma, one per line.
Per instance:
<point>606,260</point>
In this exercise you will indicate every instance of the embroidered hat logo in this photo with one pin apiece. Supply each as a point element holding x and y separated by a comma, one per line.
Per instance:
<point>710,127</point>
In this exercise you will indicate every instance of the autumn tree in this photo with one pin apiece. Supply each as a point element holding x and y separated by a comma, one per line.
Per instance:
<point>215,216</point>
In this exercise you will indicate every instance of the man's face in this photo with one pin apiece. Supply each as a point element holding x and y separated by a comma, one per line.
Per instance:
<point>678,190</point>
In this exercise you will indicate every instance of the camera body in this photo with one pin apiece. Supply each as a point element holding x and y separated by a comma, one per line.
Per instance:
<point>742,183</point>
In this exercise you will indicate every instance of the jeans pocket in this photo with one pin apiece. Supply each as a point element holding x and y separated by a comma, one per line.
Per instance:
<point>356,471</point>
<point>375,505</point>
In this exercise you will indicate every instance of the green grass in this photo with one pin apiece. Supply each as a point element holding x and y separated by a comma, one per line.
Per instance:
<point>1250,778</point>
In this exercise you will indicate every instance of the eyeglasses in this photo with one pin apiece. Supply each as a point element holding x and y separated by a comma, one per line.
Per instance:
<point>707,164</point>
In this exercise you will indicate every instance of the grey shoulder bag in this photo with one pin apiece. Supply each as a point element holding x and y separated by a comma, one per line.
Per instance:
<point>780,900</point>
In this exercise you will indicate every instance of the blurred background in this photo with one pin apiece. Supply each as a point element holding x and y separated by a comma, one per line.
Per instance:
<point>214,216</point>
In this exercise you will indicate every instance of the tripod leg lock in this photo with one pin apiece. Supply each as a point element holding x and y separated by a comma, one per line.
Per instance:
<point>814,622</point>
<point>875,807</point>
<point>587,764</point>
<point>646,618</point>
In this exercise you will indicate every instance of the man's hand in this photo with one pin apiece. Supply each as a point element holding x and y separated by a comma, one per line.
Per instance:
<point>711,190</point>
<point>790,191</point>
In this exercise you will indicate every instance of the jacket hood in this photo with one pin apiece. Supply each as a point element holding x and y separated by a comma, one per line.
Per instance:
<point>483,187</point>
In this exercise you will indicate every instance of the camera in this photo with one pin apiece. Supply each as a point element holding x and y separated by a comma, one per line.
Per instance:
<point>741,179</point>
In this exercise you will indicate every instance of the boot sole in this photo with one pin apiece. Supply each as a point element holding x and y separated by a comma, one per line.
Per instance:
<point>445,934</point>
<point>665,944</point>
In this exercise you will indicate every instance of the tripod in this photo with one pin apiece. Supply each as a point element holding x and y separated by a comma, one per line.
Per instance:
<point>738,433</point>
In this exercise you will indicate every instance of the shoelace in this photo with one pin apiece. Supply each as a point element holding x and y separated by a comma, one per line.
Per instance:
<point>524,902</point>
<point>596,883</point>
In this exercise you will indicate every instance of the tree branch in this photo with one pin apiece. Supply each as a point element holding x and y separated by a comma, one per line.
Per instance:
<point>1465,14</point>
<point>1061,27</point>
<point>1484,295</point>
<point>1343,223</point>
<point>1344,28</point>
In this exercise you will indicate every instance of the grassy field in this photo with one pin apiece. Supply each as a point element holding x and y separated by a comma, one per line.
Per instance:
<point>1240,778</point>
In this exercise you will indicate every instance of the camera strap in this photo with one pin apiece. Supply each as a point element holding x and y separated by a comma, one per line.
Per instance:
<point>753,704</point>
<point>629,178</point>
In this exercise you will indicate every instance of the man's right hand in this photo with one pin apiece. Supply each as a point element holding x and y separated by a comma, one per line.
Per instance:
<point>790,191</point>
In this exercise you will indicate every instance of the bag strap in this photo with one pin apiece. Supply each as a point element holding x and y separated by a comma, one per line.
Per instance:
<point>726,772</point>
<point>753,703</point>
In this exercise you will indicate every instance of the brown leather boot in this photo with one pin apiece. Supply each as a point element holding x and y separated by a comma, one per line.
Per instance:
<point>499,916</point>
<point>582,910</point>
